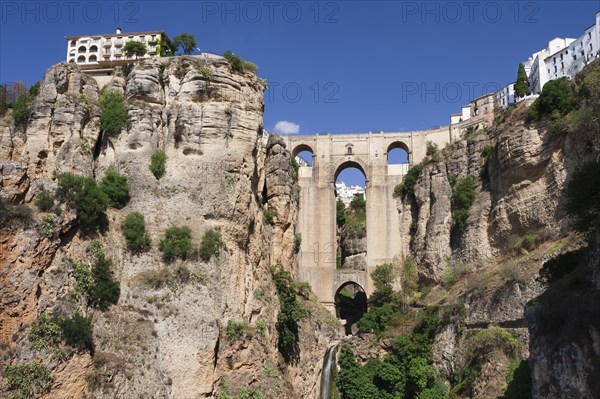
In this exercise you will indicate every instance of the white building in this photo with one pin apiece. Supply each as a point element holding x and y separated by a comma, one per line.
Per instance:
<point>505,97</point>
<point>108,48</point>
<point>347,193</point>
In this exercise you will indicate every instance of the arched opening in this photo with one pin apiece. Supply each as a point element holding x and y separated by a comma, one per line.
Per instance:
<point>351,217</point>
<point>93,58</point>
<point>81,49</point>
<point>93,49</point>
<point>350,304</point>
<point>72,60</point>
<point>303,155</point>
<point>397,153</point>
<point>73,43</point>
<point>81,58</point>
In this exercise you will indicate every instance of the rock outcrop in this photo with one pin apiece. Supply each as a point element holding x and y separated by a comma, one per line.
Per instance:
<point>160,340</point>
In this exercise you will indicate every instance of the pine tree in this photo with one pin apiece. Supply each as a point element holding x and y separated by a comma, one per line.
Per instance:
<point>522,84</point>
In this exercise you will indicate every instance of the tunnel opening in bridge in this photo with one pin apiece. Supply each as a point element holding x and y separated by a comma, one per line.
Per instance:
<point>398,153</point>
<point>351,216</point>
<point>303,155</point>
<point>350,304</point>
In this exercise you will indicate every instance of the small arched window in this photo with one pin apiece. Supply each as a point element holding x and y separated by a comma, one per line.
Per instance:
<point>349,150</point>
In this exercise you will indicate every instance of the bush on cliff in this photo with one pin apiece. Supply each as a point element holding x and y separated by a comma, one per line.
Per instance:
<point>113,113</point>
<point>176,243</point>
<point>158,164</point>
<point>134,230</point>
<point>89,200</point>
<point>115,187</point>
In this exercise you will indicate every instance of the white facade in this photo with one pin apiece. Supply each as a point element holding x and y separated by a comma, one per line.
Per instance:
<point>538,75</point>
<point>90,50</point>
<point>347,193</point>
<point>505,97</point>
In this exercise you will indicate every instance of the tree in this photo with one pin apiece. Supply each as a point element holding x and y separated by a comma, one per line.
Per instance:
<point>134,48</point>
<point>115,187</point>
<point>522,83</point>
<point>176,243</point>
<point>113,116</point>
<point>89,200</point>
<point>134,230</point>
<point>186,41</point>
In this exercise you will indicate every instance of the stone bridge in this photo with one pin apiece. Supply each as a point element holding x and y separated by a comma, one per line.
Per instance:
<point>368,152</point>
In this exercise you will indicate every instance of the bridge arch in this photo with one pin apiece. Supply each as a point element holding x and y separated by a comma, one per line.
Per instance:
<point>349,163</point>
<point>303,151</point>
<point>399,145</point>
<point>350,303</point>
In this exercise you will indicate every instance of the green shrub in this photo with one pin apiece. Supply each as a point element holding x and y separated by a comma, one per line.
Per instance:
<point>77,331</point>
<point>235,329</point>
<point>383,277</point>
<point>557,98</point>
<point>44,201</point>
<point>398,190</point>
<point>89,200</point>
<point>176,243</point>
<point>28,380</point>
<point>158,163</point>
<point>297,242</point>
<point>269,216</point>
<point>463,196</point>
<point>205,71</point>
<point>22,110</point>
<point>48,226</point>
<point>105,291</point>
<point>406,372</point>
<point>340,214</point>
<point>45,332</point>
<point>261,326</point>
<point>432,148</point>
<point>409,181</point>
<point>238,64</point>
<point>113,113</point>
<point>376,319</point>
<point>528,241</point>
<point>115,187</point>
<point>134,230</point>
<point>295,167</point>
<point>290,314</point>
<point>211,244</point>
<point>583,198</point>
<point>410,280</point>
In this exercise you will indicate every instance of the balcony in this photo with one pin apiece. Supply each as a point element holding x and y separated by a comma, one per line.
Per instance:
<point>107,43</point>
<point>118,42</point>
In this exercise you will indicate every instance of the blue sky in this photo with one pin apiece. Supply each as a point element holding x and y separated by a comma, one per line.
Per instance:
<point>332,66</point>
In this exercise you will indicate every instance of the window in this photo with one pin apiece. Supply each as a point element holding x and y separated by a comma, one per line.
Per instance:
<point>93,58</point>
<point>93,49</point>
<point>81,58</point>
<point>118,57</point>
<point>349,150</point>
<point>72,43</point>
<point>589,35</point>
<point>81,49</point>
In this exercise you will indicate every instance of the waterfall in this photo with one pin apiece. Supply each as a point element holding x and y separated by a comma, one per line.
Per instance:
<point>328,373</point>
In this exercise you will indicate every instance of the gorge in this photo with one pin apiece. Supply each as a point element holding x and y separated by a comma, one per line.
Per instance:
<point>489,271</point>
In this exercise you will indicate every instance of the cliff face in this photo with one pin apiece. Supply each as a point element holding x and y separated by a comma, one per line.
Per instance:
<point>221,173</point>
<point>520,172</point>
